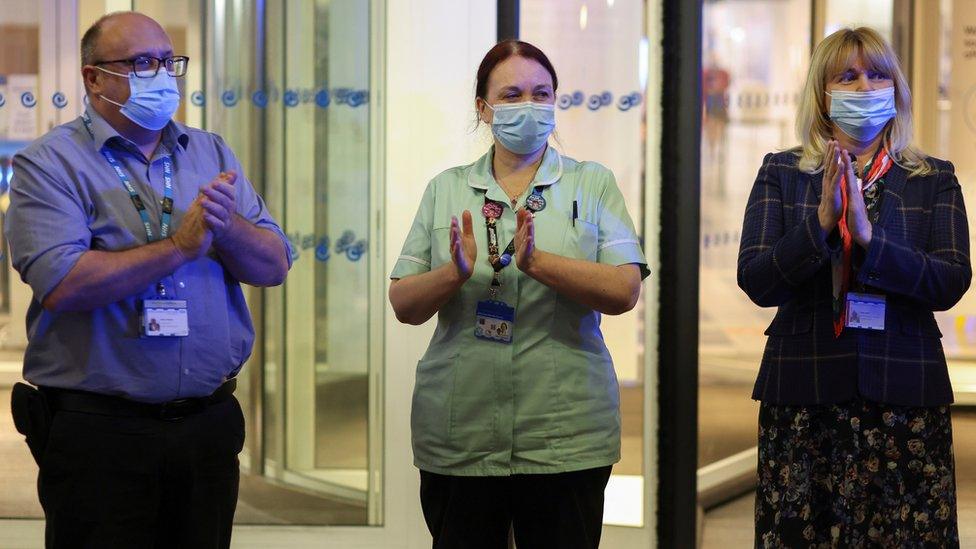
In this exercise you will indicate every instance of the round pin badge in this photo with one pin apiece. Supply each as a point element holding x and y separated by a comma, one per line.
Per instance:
<point>492,210</point>
<point>535,203</point>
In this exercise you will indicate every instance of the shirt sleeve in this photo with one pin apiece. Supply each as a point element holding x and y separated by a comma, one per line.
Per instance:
<point>250,205</point>
<point>415,255</point>
<point>617,242</point>
<point>46,225</point>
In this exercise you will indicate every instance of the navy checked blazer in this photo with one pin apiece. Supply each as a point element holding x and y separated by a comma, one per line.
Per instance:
<point>918,258</point>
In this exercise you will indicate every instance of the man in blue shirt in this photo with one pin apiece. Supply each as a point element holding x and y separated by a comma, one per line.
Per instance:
<point>134,233</point>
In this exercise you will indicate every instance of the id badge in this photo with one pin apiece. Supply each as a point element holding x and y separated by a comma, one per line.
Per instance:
<point>164,318</point>
<point>865,311</point>
<point>494,321</point>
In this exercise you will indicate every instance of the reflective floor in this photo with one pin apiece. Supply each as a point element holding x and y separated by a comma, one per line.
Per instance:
<point>265,502</point>
<point>261,501</point>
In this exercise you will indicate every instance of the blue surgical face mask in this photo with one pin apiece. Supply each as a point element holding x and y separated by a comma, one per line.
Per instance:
<point>862,115</point>
<point>152,101</point>
<point>523,128</point>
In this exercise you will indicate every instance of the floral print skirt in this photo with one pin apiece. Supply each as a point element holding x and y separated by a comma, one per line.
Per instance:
<point>858,474</point>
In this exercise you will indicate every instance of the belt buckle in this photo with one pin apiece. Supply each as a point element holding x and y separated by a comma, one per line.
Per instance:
<point>176,410</point>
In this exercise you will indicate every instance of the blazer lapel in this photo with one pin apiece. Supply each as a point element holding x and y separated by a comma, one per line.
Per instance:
<point>816,183</point>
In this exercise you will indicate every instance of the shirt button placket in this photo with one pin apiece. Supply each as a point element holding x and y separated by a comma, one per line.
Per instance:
<point>512,366</point>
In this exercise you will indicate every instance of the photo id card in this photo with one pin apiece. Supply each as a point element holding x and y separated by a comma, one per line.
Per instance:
<point>494,321</point>
<point>164,318</point>
<point>865,311</point>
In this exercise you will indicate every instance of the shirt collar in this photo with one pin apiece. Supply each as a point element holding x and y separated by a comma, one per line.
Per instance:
<point>481,176</point>
<point>174,133</point>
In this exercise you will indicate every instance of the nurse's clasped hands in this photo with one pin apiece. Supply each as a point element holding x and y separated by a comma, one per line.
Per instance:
<point>524,239</point>
<point>464,250</point>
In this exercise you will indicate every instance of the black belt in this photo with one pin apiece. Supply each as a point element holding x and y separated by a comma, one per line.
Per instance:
<point>106,405</point>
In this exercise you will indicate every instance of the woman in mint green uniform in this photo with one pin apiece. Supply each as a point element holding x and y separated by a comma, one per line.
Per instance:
<point>516,415</point>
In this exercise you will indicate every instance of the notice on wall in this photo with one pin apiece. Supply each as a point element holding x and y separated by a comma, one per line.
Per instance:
<point>21,106</point>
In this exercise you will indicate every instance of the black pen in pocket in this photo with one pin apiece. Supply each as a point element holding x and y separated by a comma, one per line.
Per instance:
<point>575,213</point>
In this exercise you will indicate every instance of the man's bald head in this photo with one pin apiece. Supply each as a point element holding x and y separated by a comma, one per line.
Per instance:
<point>117,36</point>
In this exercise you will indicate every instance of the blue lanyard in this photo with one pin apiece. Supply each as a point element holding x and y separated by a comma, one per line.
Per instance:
<point>166,220</point>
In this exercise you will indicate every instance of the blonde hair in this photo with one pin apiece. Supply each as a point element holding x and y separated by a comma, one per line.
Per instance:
<point>837,53</point>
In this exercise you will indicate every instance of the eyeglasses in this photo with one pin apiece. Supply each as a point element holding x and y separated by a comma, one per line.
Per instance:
<point>147,67</point>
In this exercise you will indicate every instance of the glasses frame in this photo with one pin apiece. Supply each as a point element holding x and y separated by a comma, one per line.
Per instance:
<point>160,62</point>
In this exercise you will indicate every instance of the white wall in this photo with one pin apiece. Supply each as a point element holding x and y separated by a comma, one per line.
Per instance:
<point>434,48</point>
<point>593,53</point>
<point>433,51</point>
<point>18,12</point>
<point>857,13</point>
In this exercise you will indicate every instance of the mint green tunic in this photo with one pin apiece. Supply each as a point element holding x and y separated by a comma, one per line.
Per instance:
<point>548,402</point>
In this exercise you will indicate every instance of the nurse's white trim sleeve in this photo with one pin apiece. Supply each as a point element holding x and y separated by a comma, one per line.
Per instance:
<point>415,255</point>
<point>617,242</point>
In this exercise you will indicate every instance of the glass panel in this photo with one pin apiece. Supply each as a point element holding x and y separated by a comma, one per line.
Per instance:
<point>20,123</point>
<point>599,50</point>
<point>944,95</point>
<point>754,62</point>
<point>946,114</point>
<point>321,418</point>
<point>286,85</point>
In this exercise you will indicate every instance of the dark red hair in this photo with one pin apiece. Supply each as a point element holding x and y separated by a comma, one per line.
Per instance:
<point>502,51</point>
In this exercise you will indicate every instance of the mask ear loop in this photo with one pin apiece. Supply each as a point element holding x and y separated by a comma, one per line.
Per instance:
<point>117,104</point>
<point>120,75</point>
<point>487,104</point>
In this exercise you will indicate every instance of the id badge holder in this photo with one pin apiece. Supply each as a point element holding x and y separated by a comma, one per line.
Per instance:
<point>866,311</point>
<point>164,318</point>
<point>494,321</point>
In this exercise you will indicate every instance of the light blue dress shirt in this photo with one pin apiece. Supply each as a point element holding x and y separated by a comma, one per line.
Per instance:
<point>66,199</point>
<point>548,402</point>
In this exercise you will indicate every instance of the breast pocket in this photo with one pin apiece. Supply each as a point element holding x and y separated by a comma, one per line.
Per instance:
<point>581,240</point>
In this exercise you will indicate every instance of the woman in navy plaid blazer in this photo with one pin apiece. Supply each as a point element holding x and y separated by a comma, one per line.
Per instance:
<point>856,237</point>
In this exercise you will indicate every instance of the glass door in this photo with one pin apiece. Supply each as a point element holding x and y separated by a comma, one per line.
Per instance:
<point>319,52</point>
<point>292,87</point>
<point>287,85</point>
<point>38,90</point>
<point>944,88</point>
<point>754,60</point>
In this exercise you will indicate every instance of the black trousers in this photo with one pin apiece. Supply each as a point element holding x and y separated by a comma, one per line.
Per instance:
<point>127,482</point>
<point>563,510</point>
